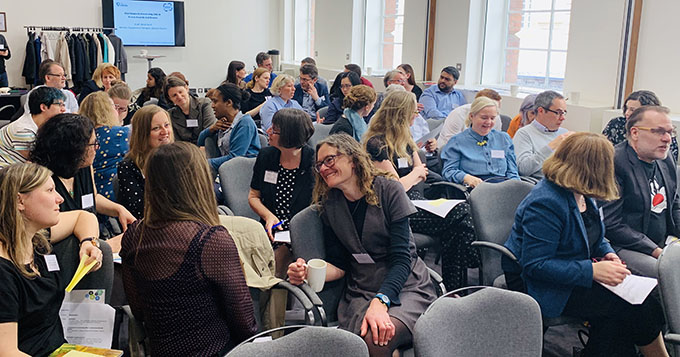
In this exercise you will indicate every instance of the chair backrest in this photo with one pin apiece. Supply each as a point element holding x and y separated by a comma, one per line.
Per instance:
<point>493,207</point>
<point>505,122</point>
<point>211,148</point>
<point>322,112</point>
<point>490,322</point>
<point>306,341</point>
<point>669,284</point>
<point>320,132</point>
<point>264,142</point>
<point>235,177</point>
<point>434,123</point>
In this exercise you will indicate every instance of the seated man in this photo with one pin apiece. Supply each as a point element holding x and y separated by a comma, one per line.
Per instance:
<point>438,101</point>
<point>535,142</point>
<point>455,122</point>
<point>265,61</point>
<point>52,74</point>
<point>16,138</point>
<point>310,60</point>
<point>351,67</point>
<point>647,212</point>
<point>310,94</point>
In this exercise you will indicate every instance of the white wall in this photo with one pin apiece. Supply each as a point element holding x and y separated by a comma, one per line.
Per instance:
<point>217,31</point>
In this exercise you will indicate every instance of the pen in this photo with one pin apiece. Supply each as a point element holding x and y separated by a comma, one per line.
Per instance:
<point>278,224</point>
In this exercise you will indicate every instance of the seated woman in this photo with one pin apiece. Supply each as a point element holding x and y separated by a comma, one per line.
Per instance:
<point>181,270</point>
<point>615,130</point>
<point>67,144</point>
<point>112,139</point>
<point>480,152</point>
<point>410,84</point>
<point>290,158</point>
<point>31,287</point>
<point>259,92</point>
<point>121,95</point>
<point>526,115</point>
<point>102,79</point>
<point>155,78</point>
<point>357,104</point>
<point>345,80</point>
<point>558,237</point>
<point>389,143</point>
<point>151,128</point>
<point>236,72</point>
<point>365,213</point>
<point>189,115</point>
<point>235,133</point>
<point>283,89</point>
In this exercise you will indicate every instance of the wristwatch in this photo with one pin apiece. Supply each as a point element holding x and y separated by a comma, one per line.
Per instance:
<point>93,240</point>
<point>383,299</point>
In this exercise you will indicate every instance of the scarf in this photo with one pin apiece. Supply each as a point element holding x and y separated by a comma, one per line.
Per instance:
<point>358,123</point>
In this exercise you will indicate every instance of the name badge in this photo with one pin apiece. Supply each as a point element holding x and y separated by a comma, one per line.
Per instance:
<point>87,201</point>
<point>52,263</point>
<point>363,258</point>
<point>2,47</point>
<point>192,123</point>
<point>601,214</point>
<point>271,176</point>
<point>497,154</point>
<point>402,162</point>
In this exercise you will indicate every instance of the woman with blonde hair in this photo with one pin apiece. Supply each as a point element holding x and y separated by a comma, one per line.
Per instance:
<point>365,213</point>
<point>358,102</point>
<point>480,152</point>
<point>151,128</point>
<point>258,88</point>
<point>31,285</point>
<point>564,260</point>
<point>111,136</point>
<point>181,269</point>
<point>102,79</point>
<point>121,95</point>
<point>283,90</point>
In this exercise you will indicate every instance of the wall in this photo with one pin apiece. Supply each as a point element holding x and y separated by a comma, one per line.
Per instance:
<point>217,31</point>
<point>451,36</point>
<point>415,32</point>
<point>333,33</point>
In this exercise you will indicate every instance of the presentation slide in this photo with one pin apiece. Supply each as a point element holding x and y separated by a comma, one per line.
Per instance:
<point>145,23</point>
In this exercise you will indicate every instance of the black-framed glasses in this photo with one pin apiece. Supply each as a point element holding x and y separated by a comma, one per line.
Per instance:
<point>659,131</point>
<point>61,104</point>
<point>95,144</point>
<point>329,161</point>
<point>57,75</point>
<point>558,112</point>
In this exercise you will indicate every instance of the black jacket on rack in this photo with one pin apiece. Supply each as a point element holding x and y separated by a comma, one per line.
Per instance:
<point>28,71</point>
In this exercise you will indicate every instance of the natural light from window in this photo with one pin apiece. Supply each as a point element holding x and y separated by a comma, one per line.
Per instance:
<point>384,35</point>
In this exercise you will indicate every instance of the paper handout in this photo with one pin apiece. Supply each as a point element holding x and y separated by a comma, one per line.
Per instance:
<point>633,288</point>
<point>440,207</point>
<point>80,273</point>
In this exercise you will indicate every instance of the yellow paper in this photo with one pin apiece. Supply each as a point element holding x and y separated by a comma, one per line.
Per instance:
<point>80,273</point>
<point>437,203</point>
<point>80,354</point>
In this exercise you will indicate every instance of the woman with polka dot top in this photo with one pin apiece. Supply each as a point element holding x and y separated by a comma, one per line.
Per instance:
<point>282,178</point>
<point>112,137</point>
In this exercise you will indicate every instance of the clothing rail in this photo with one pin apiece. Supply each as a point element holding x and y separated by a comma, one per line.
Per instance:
<point>64,28</point>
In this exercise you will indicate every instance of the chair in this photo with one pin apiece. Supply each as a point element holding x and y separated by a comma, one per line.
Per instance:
<point>6,113</point>
<point>211,149</point>
<point>490,322</point>
<point>138,343</point>
<point>505,122</point>
<point>235,176</point>
<point>320,132</point>
<point>304,341</point>
<point>434,123</point>
<point>264,142</point>
<point>669,291</point>
<point>322,112</point>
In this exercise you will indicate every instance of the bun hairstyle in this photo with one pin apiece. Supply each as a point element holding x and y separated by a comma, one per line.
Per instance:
<point>230,91</point>
<point>358,97</point>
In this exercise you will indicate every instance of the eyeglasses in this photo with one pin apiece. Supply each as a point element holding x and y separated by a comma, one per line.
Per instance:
<point>95,144</point>
<point>345,86</point>
<point>60,104</point>
<point>121,108</point>
<point>329,161</point>
<point>57,75</point>
<point>659,131</point>
<point>276,132</point>
<point>559,113</point>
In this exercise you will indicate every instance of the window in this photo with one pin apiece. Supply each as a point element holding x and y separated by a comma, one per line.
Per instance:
<point>303,29</point>
<point>526,43</point>
<point>384,34</point>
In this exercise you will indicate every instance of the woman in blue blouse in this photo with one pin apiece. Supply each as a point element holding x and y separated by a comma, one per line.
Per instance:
<point>480,153</point>
<point>235,132</point>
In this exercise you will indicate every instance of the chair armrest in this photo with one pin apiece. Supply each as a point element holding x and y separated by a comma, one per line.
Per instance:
<point>138,333</point>
<point>529,179</point>
<point>497,247</point>
<point>445,185</point>
<point>672,338</point>
<point>437,279</point>
<point>316,300</point>
<point>224,210</point>
<point>302,297</point>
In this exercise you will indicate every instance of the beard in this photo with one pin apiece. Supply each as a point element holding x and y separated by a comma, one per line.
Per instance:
<point>444,88</point>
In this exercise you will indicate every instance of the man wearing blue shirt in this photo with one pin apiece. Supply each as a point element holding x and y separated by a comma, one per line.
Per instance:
<point>265,61</point>
<point>309,93</point>
<point>438,101</point>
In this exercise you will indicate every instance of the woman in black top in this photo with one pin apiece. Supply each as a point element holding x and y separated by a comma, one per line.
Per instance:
<point>410,84</point>
<point>282,177</point>
<point>236,72</point>
<point>259,93</point>
<point>31,287</point>
<point>358,103</point>
<point>155,79</point>
<point>344,81</point>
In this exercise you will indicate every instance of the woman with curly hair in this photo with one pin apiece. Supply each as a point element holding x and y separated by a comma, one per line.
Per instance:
<point>357,104</point>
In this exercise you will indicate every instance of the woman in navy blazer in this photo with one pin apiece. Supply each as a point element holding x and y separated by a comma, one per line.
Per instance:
<point>558,239</point>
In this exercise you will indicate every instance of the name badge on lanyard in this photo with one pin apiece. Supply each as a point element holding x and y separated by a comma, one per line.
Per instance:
<point>271,177</point>
<point>192,123</point>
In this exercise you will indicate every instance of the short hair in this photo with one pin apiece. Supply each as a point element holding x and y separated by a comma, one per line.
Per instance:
<point>645,97</point>
<point>97,107</point>
<point>477,105</point>
<point>280,81</point>
<point>172,82</point>
<point>358,97</point>
<point>234,66</point>
<point>310,70</point>
<point>353,68</point>
<point>452,71</point>
<point>139,136</point>
<point>411,74</point>
<point>120,90</point>
<point>103,69</point>
<point>489,93</point>
<point>230,91</point>
<point>526,107</point>
<point>639,114</point>
<point>45,68</point>
<point>261,57</point>
<point>390,76</point>
<point>178,186</point>
<point>294,126</point>
<point>308,60</point>
<point>545,99</point>
<point>256,74</point>
<point>394,88</point>
<point>43,95</point>
<point>61,143</point>
<point>180,76</point>
<point>571,166</point>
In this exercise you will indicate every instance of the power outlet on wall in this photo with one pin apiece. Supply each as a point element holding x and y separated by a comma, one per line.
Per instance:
<point>459,66</point>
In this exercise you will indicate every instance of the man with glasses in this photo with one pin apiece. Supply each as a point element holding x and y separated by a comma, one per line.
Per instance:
<point>640,222</point>
<point>310,94</point>
<point>440,100</point>
<point>536,141</point>
<point>52,75</point>
<point>16,138</point>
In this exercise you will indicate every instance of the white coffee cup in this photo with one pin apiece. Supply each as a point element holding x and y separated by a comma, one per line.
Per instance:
<point>316,274</point>
<point>369,71</point>
<point>514,90</point>
<point>143,52</point>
